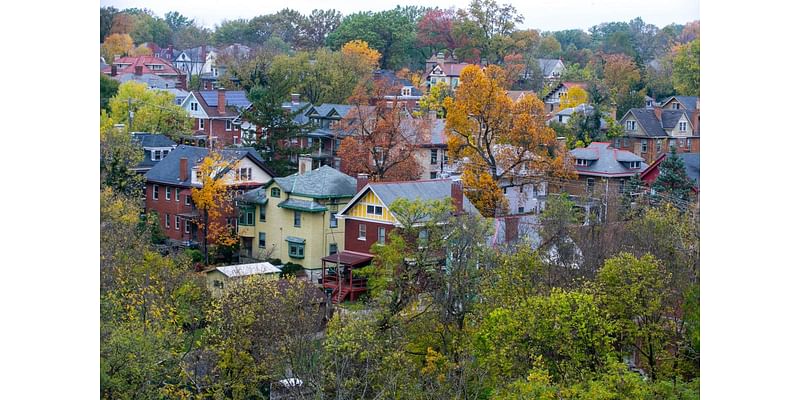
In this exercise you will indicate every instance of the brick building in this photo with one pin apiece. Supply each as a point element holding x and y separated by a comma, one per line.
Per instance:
<point>653,131</point>
<point>214,113</point>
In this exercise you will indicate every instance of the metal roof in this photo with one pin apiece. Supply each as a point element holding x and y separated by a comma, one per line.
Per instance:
<point>235,98</point>
<point>232,271</point>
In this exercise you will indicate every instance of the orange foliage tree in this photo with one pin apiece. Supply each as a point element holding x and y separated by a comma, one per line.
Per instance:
<point>499,139</point>
<point>212,199</point>
<point>575,96</point>
<point>117,45</point>
<point>381,139</point>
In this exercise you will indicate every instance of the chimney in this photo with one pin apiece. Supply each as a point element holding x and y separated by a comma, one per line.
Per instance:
<point>295,98</point>
<point>184,169</point>
<point>657,112</point>
<point>138,70</point>
<point>221,100</point>
<point>181,81</point>
<point>305,165</point>
<point>457,194</point>
<point>512,229</point>
<point>696,118</point>
<point>361,181</point>
<point>113,69</point>
<point>614,110</point>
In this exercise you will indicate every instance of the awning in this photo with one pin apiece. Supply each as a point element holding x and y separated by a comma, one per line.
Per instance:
<point>348,258</point>
<point>295,239</point>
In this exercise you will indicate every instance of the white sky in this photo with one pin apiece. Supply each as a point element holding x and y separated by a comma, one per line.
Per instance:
<point>546,15</point>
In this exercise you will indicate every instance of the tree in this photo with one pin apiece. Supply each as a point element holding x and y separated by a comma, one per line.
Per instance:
<point>151,29</point>
<point>118,156</point>
<point>381,139</point>
<point>619,74</point>
<point>435,30</point>
<point>500,138</point>
<point>116,45</point>
<point>106,19</point>
<point>686,69</point>
<point>212,199</point>
<point>108,89</point>
<point>575,96</point>
<point>672,180</point>
<point>318,25</point>
<point>152,110</point>
<point>549,47</point>
<point>141,50</point>
<point>494,24</point>
<point>176,21</point>
<point>434,100</point>
<point>391,32</point>
<point>233,31</point>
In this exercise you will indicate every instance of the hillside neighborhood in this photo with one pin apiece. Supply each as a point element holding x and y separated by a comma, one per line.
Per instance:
<point>410,203</point>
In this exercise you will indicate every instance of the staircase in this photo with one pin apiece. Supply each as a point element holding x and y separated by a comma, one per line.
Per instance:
<point>338,297</point>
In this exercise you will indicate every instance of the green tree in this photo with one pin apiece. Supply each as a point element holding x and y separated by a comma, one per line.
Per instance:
<point>318,25</point>
<point>152,110</point>
<point>118,155</point>
<point>176,21</point>
<point>493,24</point>
<point>686,69</point>
<point>672,180</point>
<point>390,32</point>
<point>108,89</point>
<point>234,31</point>
<point>106,20</point>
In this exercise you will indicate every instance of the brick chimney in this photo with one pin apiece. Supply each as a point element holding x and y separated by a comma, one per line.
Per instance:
<point>184,169</point>
<point>113,69</point>
<point>457,194</point>
<point>181,81</point>
<point>138,70</point>
<point>512,229</point>
<point>657,112</point>
<point>361,181</point>
<point>305,165</point>
<point>221,100</point>
<point>295,98</point>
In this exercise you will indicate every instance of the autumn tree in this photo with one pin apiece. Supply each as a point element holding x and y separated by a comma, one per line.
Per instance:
<point>686,69</point>
<point>620,74</point>
<point>116,45</point>
<point>492,24</point>
<point>575,96</point>
<point>152,110</point>
<point>141,50</point>
<point>435,30</point>
<point>118,156</point>
<point>381,139</point>
<point>212,199</point>
<point>433,101</point>
<point>499,138</point>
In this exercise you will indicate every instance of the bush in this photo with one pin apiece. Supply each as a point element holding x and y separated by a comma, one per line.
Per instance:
<point>195,255</point>
<point>291,269</point>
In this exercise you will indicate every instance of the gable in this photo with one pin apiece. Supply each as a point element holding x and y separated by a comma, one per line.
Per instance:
<point>359,208</point>
<point>186,105</point>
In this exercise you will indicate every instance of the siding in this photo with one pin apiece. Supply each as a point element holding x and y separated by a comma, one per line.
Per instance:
<point>360,209</point>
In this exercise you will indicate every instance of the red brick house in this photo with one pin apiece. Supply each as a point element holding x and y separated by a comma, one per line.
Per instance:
<point>214,113</point>
<point>368,221</point>
<point>168,188</point>
<point>653,131</point>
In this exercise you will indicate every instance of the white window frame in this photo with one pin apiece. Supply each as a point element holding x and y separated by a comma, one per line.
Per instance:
<point>362,231</point>
<point>381,235</point>
<point>676,106</point>
<point>228,125</point>
<point>166,220</point>
<point>434,156</point>
<point>298,219</point>
<point>186,226</point>
<point>186,199</point>
<point>581,162</point>
<point>259,240</point>
<point>177,196</point>
<point>644,145</point>
<point>193,106</point>
<point>201,124</point>
<point>630,125</point>
<point>235,140</point>
<point>375,209</point>
<point>168,193</point>
<point>689,143</point>
<point>682,126</point>
<point>177,223</point>
<point>333,223</point>
<point>155,192</point>
<point>406,91</point>
<point>156,155</point>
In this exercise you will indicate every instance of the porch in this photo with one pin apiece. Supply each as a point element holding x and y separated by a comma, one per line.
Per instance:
<point>338,281</point>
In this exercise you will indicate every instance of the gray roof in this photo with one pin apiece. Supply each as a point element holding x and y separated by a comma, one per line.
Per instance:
<point>436,189</point>
<point>179,94</point>
<point>691,163</point>
<point>323,182</point>
<point>168,170</point>
<point>608,161</point>
<point>650,123</point>
<point>669,118</point>
<point>254,196</point>
<point>235,98</point>
<point>300,118</point>
<point>151,80</point>
<point>325,108</point>
<point>232,271</point>
<point>153,139</point>
<point>302,205</point>
<point>690,102</point>
<point>393,80</point>
<point>547,65</point>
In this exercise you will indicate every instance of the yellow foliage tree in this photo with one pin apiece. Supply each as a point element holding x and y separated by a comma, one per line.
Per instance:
<point>575,96</point>
<point>153,110</point>
<point>359,53</point>
<point>141,50</point>
<point>212,199</point>
<point>118,44</point>
<point>499,139</point>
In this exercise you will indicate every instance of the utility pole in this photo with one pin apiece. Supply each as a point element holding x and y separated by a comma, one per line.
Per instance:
<point>130,115</point>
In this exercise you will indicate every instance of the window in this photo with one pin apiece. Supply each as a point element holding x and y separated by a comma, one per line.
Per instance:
<point>193,106</point>
<point>168,193</point>
<point>616,142</point>
<point>521,210</point>
<point>156,155</point>
<point>186,199</point>
<point>297,219</point>
<point>201,123</point>
<point>297,250</point>
<point>218,284</point>
<point>262,240</point>
<point>235,140</point>
<point>166,220</point>
<point>644,145</point>
<point>228,125</point>
<point>433,175</point>
<point>625,142</point>
<point>362,231</point>
<point>275,192</point>
<point>381,235</point>
<point>434,156</point>
<point>589,184</point>
<point>682,126</point>
<point>177,223</point>
<point>406,91</point>
<point>244,174</point>
<point>581,162</point>
<point>672,144</point>
<point>334,223</point>
<point>155,192</point>
<point>635,164</point>
<point>658,145</point>
<point>164,153</point>
<point>521,188</point>
<point>681,142</point>
<point>676,106</point>
<point>333,248</point>
<point>262,214</point>
<point>444,156</point>
<point>374,210</point>
<point>186,226</point>
<point>689,143</point>
<point>630,125</point>
<point>199,174</point>
<point>177,196</point>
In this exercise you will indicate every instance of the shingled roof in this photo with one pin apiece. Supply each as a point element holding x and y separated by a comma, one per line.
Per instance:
<point>167,171</point>
<point>607,161</point>
<point>323,182</point>
<point>650,124</point>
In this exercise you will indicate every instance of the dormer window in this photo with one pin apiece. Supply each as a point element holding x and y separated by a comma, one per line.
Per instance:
<point>156,155</point>
<point>406,91</point>
<point>635,164</point>
<point>193,106</point>
<point>581,162</point>
<point>630,125</point>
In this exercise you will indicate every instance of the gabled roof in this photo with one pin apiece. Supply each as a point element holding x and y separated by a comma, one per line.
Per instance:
<point>689,102</point>
<point>516,95</point>
<point>323,182</point>
<point>235,102</point>
<point>669,118</point>
<point>606,161</point>
<point>548,65</point>
<point>152,139</point>
<point>144,61</point>
<point>151,80</point>
<point>254,196</point>
<point>168,170</point>
<point>393,81</point>
<point>566,85</point>
<point>331,110</point>
<point>651,125</point>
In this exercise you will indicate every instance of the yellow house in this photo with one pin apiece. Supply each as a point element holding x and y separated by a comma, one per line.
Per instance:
<point>294,218</point>
<point>220,278</point>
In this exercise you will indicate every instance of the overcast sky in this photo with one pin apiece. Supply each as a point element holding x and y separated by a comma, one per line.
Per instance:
<point>546,15</point>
